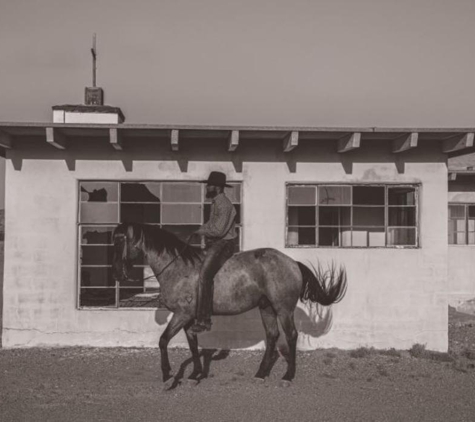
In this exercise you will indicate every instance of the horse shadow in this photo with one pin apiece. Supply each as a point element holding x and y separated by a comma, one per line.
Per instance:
<point>311,321</point>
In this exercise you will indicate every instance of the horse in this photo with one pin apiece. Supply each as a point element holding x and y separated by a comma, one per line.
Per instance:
<point>264,278</point>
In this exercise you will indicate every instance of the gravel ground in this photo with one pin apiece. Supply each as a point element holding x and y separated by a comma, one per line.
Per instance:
<point>86,384</point>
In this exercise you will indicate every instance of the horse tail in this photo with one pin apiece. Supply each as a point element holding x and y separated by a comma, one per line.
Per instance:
<point>325,287</point>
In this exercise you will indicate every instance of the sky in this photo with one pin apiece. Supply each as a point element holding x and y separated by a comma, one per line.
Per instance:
<point>384,63</point>
<point>248,62</point>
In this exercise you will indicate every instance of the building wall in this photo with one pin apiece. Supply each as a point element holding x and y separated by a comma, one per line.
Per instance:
<point>461,258</point>
<point>395,298</point>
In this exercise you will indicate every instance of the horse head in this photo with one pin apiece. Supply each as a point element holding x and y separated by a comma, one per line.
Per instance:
<point>127,247</point>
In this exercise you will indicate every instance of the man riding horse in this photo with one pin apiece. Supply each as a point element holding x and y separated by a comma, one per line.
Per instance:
<point>219,235</point>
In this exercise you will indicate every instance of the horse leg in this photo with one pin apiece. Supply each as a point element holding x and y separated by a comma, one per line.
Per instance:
<point>178,321</point>
<point>288,326</point>
<point>193,343</point>
<point>269,319</point>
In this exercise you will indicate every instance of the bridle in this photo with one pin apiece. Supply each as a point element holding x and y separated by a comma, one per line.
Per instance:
<point>124,256</point>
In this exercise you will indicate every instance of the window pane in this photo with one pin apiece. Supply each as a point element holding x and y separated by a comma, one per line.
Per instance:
<point>301,195</point>
<point>471,238</point>
<point>301,216</point>
<point>97,255</point>
<point>402,196</point>
<point>140,213</point>
<point>99,212</point>
<point>456,211</point>
<point>301,236</point>
<point>368,195</point>
<point>399,236</point>
<point>181,192</point>
<point>140,192</point>
<point>184,232</point>
<point>452,238</point>
<point>460,238</point>
<point>334,216</point>
<point>97,277</point>
<point>403,216</point>
<point>96,235</point>
<point>369,236</point>
<point>471,211</point>
<point>207,210</point>
<point>334,195</point>
<point>368,216</point>
<point>97,297</point>
<point>334,236</point>
<point>181,213</point>
<point>99,191</point>
<point>233,193</point>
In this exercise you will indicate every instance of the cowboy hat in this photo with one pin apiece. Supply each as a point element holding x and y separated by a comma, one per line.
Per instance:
<point>216,178</point>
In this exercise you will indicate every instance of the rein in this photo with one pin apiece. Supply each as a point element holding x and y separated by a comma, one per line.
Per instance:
<point>164,268</point>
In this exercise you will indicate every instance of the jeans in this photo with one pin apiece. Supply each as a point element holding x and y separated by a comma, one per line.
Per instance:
<point>217,253</point>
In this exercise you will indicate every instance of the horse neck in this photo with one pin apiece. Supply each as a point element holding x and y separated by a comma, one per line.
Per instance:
<point>167,266</point>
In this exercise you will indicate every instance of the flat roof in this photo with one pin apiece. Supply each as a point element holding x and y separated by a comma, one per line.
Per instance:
<point>453,139</point>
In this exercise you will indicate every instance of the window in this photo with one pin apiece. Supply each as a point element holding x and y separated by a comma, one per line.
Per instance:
<point>461,224</point>
<point>352,215</point>
<point>179,207</point>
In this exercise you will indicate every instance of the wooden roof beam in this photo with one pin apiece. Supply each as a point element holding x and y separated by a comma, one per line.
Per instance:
<point>115,139</point>
<point>6,140</point>
<point>55,138</point>
<point>174,139</point>
<point>233,140</point>
<point>291,141</point>
<point>458,142</point>
<point>405,142</point>
<point>349,142</point>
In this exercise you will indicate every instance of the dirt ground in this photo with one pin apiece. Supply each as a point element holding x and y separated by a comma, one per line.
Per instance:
<point>81,384</point>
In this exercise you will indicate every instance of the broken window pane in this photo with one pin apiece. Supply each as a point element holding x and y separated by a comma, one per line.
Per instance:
<point>140,192</point>
<point>334,216</point>
<point>99,191</point>
<point>401,236</point>
<point>136,298</point>
<point>401,196</point>
<point>301,195</point>
<point>181,192</point>
<point>97,297</point>
<point>402,216</point>
<point>368,195</point>
<point>301,216</point>
<point>334,195</point>
<point>91,212</point>
<point>368,216</point>
<point>96,235</point>
<point>181,213</point>
<point>140,213</point>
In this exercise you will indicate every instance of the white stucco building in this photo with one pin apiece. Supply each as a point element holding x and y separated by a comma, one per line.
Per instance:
<point>372,199</point>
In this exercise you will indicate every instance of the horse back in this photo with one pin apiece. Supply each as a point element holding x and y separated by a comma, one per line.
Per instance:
<point>248,276</point>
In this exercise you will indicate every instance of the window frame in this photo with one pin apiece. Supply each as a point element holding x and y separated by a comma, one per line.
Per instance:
<point>466,231</point>
<point>80,225</point>
<point>417,197</point>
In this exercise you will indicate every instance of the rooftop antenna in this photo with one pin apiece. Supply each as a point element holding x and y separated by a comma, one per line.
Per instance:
<point>94,94</point>
<point>94,60</point>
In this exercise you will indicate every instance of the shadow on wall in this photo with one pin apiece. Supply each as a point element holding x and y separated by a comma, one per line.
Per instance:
<point>246,330</point>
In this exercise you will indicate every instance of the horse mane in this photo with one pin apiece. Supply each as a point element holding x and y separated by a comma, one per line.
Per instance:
<point>155,239</point>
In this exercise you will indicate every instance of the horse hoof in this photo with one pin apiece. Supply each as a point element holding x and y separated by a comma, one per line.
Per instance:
<point>285,383</point>
<point>168,383</point>
<point>258,380</point>
<point>191,382</point>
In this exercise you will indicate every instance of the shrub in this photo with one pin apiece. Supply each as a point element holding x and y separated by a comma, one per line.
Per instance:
<point>390,352</point>
<point>361,352</point>
<point>418,350</point>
